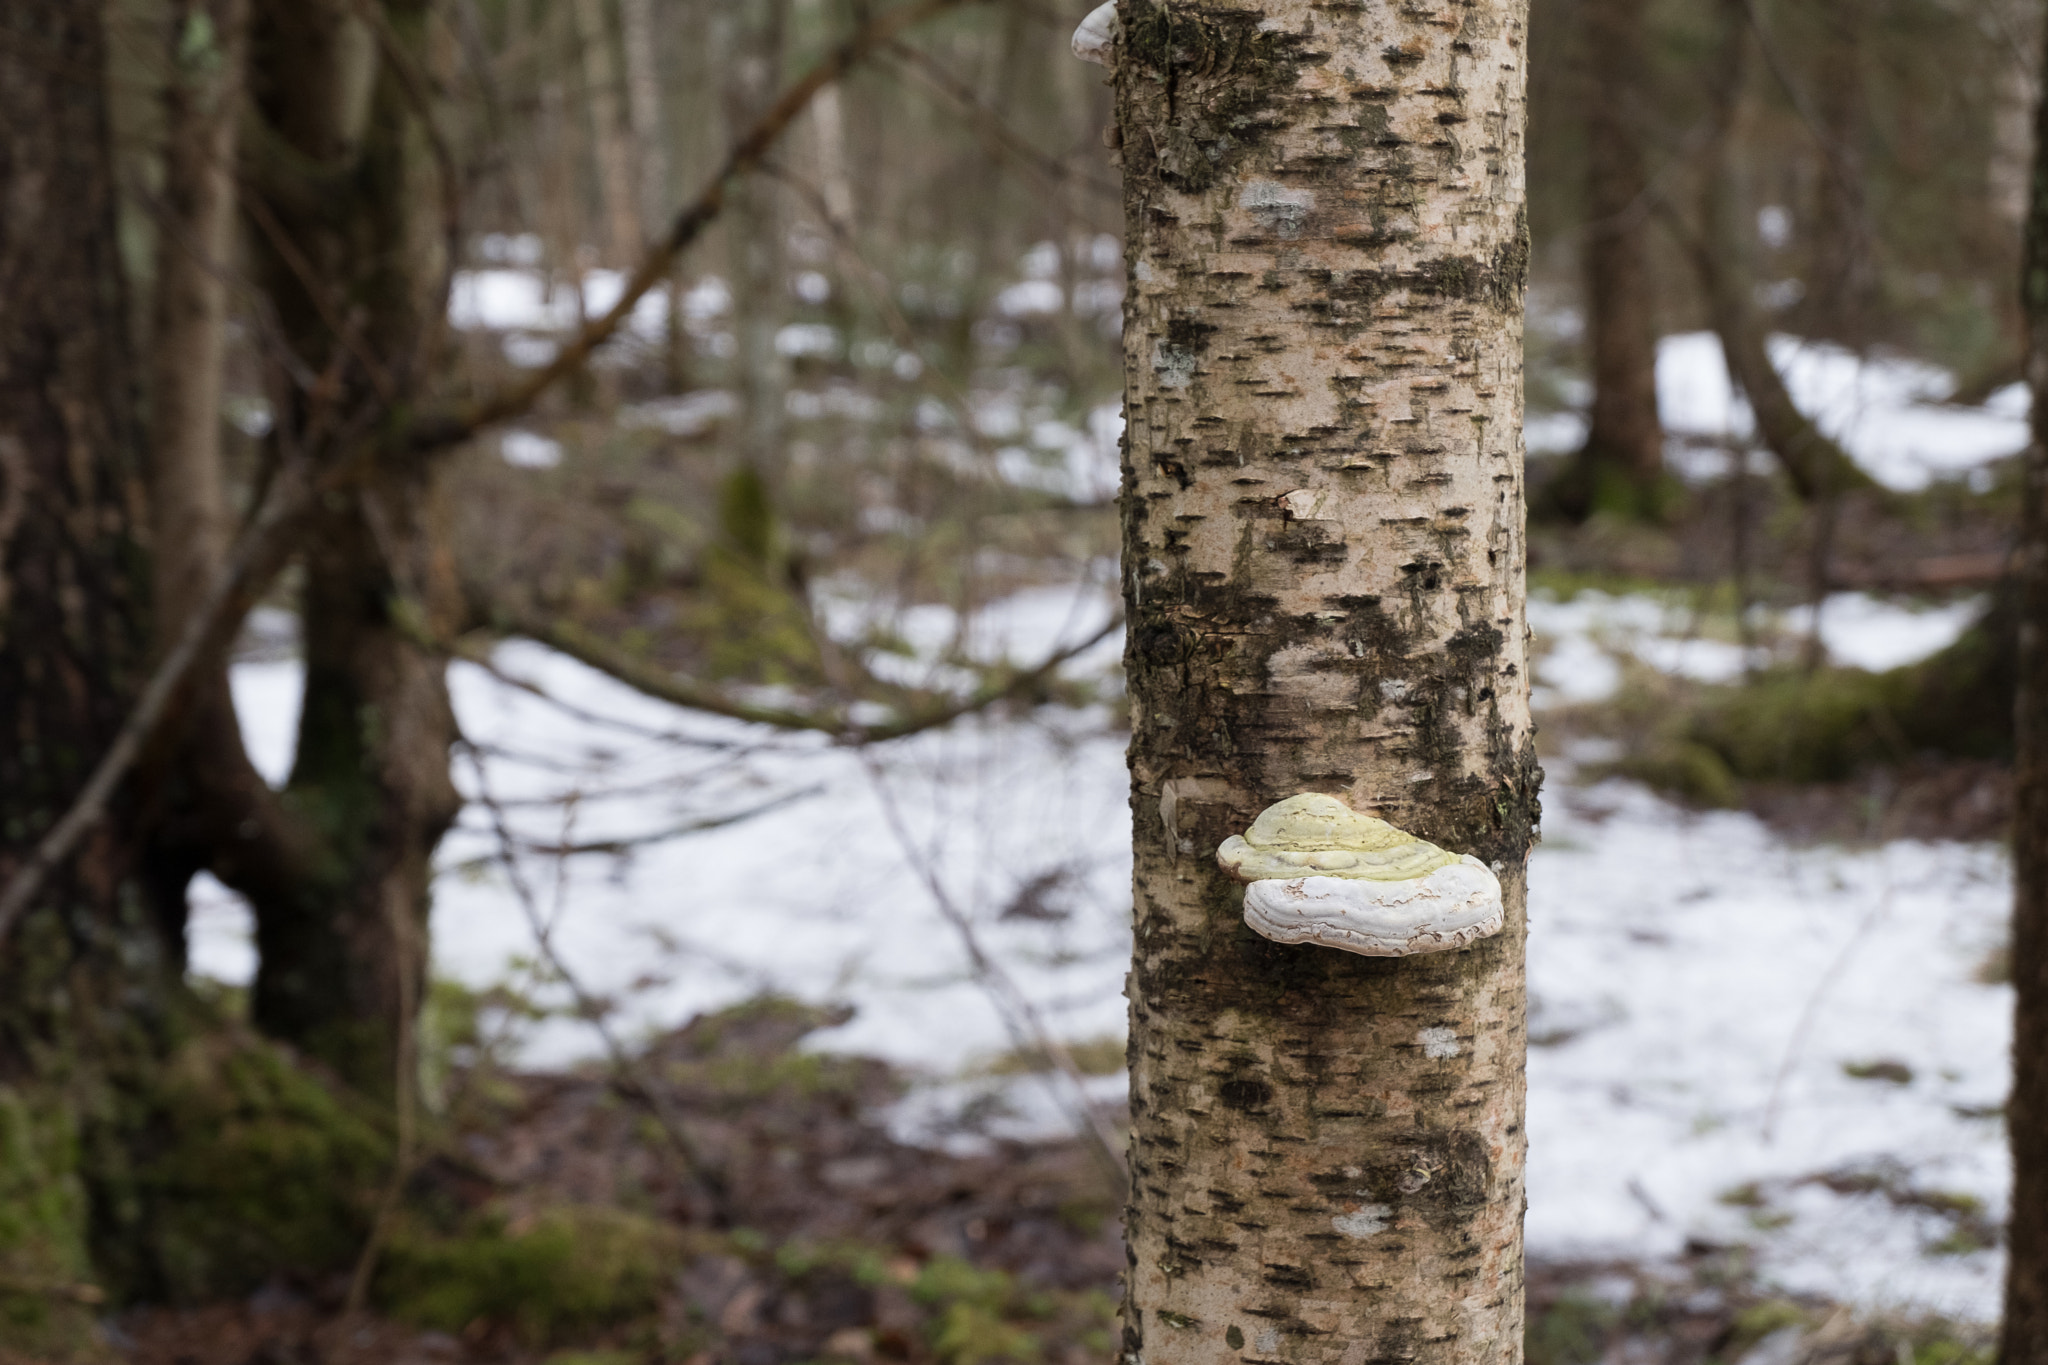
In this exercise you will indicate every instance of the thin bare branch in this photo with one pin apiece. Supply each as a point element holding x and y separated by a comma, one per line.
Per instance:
<point>747,154</point>
<point>658,682</point>
<point>1021,1018</point>
<point>640,1085</point>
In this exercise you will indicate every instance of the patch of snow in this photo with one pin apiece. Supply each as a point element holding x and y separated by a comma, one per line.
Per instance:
<point>1028,298</point>
<point>688,414</point>
<point>811,286</point>
<point>807,339</point>
<point>1554,433</point>
<point>1740,975</point>
<point>1889,413</point>
<point>1041,262</point>
<point>1580,639</point>
<point>1696,984</point>
<point>1870,632</point>
<point>220,933</point>
<point>527,450</point>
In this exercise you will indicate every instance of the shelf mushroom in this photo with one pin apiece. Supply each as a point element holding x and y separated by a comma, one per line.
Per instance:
<point>1095,39</point>
<point>1317,871</point>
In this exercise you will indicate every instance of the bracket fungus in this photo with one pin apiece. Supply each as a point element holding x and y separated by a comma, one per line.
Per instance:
<point>1095,39</point>
<point>1317,871</point>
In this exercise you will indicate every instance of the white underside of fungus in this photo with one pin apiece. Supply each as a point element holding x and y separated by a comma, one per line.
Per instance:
<point>1096,37</point>
<point>1448,908</point>
<point>1317,871</point>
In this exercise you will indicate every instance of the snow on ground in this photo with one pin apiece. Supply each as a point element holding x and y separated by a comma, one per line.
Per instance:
<point>1580,639</point>
<point>1697,986</point>
<point>1891,414</point>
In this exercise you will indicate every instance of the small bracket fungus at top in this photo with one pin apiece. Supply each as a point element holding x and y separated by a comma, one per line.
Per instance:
<point>1095,39</point>
<point>1317,871</point>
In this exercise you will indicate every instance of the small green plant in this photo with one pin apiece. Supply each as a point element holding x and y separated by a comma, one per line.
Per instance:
<point>1572,1331</point>
<point>568,1269</point>
<point>1758,1321</point>
<point>969,1325</point>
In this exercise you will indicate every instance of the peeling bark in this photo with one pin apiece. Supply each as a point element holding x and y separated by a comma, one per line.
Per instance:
<point>1323,571</point>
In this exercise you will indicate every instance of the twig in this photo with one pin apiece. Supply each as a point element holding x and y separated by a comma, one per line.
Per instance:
<point>566,848</point>
<point>1026,1027</point>
<point>640,1085</point>
<point>659,683</point>
<point>261,548</point>
<point>654,267</point>
<point>247,564</point>
<point>1820,989</point>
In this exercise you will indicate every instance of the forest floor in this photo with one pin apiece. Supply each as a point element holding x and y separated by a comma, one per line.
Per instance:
<point>555,1223</point>
<point>1768,1034</point>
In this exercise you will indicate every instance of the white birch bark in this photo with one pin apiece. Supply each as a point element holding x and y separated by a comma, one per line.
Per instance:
<point>1324,578</point>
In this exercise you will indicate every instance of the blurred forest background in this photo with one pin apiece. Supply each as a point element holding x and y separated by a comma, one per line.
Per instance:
<point>724,481</point>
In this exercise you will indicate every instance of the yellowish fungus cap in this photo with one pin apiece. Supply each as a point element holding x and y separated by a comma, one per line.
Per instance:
<point>1313,835</point>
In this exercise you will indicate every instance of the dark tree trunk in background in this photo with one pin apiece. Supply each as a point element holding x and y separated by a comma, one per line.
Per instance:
<point>750,35</point>
<point>1817,468</point>
<point>352,254</point>
<point>203,795</point>
<point>87,984</point>
<point>1323,574</point>
<point>1842,278</point>
<point>1621,467</point>
<point>2025,1339</point>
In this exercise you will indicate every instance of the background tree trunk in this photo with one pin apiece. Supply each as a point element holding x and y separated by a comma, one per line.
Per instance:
<point>618,184</point>
<point>354,266</point>
<point>1621,465</point>
<point>87,983</point>
<point>203,794</point>
<point>2025,1331</point>
<point>750,36</point>
<point>1844,281</point>
<point>1815,465</point>
<point>1323,570</point>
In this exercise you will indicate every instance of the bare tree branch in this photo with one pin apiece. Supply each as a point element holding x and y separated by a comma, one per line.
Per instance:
<point>659,683</point>
<point>433,434</point>
<point>264,544</point>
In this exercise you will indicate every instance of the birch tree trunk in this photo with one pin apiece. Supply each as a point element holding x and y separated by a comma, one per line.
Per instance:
<point>1323,570</point>
<point>2025,1338</point>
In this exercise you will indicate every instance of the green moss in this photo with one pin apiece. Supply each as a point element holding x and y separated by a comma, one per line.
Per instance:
<point>1571,1331</point>
<point>46,1280</point>
<point>1688,769</point>
<point>1755,1323</point>
<point>1821,725</point>
<point>969,1325</point>
<point>258,1168</point>
<point>569,1269</point>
